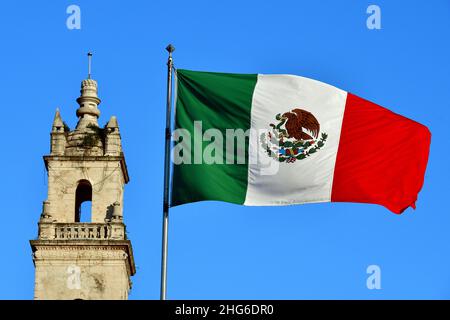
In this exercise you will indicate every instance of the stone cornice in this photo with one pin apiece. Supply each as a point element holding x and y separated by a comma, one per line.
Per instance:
<point>108,249</point>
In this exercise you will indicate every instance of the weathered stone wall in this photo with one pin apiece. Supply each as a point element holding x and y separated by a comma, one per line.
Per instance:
<point>78,272</point>
<point>107,182</point>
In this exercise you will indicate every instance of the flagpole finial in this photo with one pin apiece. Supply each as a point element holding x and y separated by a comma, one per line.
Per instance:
<point>89,64</point>
<point>170,48</point>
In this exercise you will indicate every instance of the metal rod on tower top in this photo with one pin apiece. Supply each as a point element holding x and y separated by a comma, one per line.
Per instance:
<point>165,230</point>
<point>89,64</point>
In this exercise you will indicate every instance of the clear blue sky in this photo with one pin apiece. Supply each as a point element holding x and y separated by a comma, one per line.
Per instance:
<point>220,250</point>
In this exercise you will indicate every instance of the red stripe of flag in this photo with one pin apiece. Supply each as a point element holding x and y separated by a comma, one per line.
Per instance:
<point>382,157</point>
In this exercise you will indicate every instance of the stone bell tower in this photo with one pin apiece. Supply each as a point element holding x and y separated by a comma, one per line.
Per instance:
<point>78,257</point>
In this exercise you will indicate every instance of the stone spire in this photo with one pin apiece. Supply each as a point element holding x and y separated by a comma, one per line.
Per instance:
<point>58,136</point>
<point>58,124</point>
<point>113,144</point>
<point>112,123</point>
<point>88,111</point>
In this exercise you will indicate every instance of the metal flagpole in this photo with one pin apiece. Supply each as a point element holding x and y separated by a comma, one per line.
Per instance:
<point>170,49</point>
<point>89,64</point>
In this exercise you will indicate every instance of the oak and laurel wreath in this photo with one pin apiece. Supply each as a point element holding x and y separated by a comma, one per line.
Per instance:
<point>293,150</point>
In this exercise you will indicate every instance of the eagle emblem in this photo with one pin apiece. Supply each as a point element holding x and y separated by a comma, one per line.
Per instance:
<point>295,136</point>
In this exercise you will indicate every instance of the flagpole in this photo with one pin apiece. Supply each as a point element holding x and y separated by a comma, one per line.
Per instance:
<point>165,228</point>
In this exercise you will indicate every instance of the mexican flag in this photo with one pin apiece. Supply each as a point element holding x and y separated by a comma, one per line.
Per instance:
<point>263,140</point>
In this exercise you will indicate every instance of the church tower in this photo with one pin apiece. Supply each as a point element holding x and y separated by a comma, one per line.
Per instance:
<point>77,256</point>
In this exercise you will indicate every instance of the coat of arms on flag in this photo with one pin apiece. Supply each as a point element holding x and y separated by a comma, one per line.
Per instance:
<point>294,137</point>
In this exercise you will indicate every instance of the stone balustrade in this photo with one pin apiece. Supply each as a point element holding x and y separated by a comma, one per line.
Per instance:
<point>81,231</point>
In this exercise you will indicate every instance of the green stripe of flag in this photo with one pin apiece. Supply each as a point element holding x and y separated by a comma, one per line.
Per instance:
<point>220,101</point>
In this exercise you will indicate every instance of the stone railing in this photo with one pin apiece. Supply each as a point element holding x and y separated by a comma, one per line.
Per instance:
<point>81,231</point>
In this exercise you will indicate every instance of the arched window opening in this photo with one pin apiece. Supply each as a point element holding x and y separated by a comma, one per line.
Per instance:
<point>83,201</point>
